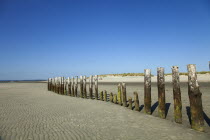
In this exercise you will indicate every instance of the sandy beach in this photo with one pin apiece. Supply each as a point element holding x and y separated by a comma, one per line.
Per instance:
<point>29,111</point>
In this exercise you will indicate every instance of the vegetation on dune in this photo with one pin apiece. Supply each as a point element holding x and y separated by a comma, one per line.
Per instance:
<point>123,74</point>
<point>185,73</point>
<point>142,74</point>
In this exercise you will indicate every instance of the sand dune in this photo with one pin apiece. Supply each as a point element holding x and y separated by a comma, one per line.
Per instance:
<point>168,78</point>
<point>29,111</point>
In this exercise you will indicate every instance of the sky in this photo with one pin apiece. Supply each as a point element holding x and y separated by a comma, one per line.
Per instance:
<point>47,38</point>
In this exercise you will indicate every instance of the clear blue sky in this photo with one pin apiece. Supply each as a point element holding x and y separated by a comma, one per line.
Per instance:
<point>47,38</point>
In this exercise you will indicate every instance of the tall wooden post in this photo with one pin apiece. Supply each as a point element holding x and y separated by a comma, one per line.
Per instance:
<point>96,87</point>
<point>119,95</point>
<point>73,91</point>
<point>161,93</point>
<point>81,86</point>
<point>136,101</point>
<point>105,96</point>
<point>91,86</point>
<point>196,108</point>
<point>84,86</point>
<point>130,106</point>
<point>147,91</point>
<point>176,95</point>
<point>124,94</point>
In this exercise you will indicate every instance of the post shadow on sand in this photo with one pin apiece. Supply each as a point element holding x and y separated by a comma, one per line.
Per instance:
<point>167,108</point>
<point>141,107</point>
<point>154,106</point>
<point>188,114</point>
<point>206,118</point>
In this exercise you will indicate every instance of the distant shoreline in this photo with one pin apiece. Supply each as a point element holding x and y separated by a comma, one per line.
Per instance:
<point>23,81</point>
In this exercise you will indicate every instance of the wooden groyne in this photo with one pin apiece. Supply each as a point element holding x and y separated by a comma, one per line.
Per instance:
<point>69,86</point>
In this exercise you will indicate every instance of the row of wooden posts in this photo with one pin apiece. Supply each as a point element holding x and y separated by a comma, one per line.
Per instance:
<point>69,86</point>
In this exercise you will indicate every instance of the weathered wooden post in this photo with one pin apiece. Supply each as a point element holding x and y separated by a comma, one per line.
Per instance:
<point>70,93</point>
<point>136,101</point>
<point>53,85</point>
<point>67,86</point>
<point>62,85</point>
<point>76,86</point>
<point>115,98</point>
<point>48,84</point>
<point>105,96</point>
<point>161,93</point>
<point>84,86</point>
<point>119,95</point>
<point>196,108</point>
<point>91,86</point>
<point>96,87</point>
<point>65,81</point>
<point>58,84</point>
<point>101,95</point>
<point>81,86</point>
<point>130,106</point>
<point>111,97</point>
<point>124,94</point>
<point>73,91</point>
<point>147,91</point>
<point>177,95</point>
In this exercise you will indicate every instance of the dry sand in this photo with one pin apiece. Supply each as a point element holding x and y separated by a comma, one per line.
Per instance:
<point>29,111</point>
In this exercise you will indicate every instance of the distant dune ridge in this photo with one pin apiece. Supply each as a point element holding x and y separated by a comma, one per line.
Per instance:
<point>168,78</point>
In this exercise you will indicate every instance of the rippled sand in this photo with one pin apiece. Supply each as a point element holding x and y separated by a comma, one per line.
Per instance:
<point>29,111</point>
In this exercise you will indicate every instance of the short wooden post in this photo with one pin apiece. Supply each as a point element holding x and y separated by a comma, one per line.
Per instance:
<point>54,85</point>
<point>136,101</point>
<point>96,87</point>
<point>65,89</point>
<point>161,93</point>
<point>105,96</point>
<point>101,96</point>
<point>76,86</point>
<point>196,108</point>
<point>111,97</point>
<point>119,95</point>
<point>147,91</point>
<point>124,94</point>
<point>73,84</point>
<point>84,87</point>
<point>81,86</point>
<point>115,98</point>
<point>48,84</point>
<point>63,85</point>
<point>70,93</point>
<point>91,86</point>
<point>176,95</point>
<point>130,106</point>
<point>67,86</point>
<point>59,86</point>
